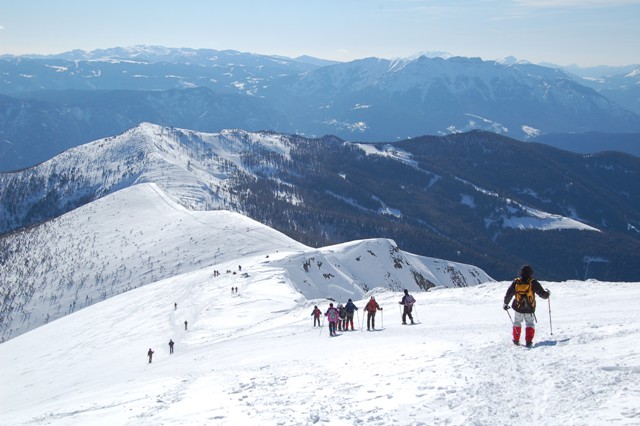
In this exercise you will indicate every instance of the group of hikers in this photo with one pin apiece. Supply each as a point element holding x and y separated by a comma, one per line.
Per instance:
<point>522,290</point>
<point>150,352</point>
<point>340,317</point>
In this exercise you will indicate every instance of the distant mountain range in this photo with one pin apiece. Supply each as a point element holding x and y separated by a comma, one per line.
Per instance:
<point>592,142</point>
<point>476,198</point>
<point>51,103</point>
<point>624,89</point>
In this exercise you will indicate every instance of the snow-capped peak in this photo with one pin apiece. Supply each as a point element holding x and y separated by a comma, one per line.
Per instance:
<point>426,54</point>
<point>633,74</point>
<point>511,60</point>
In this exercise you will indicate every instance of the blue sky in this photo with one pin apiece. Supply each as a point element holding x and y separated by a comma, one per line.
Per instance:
<point>564,32</point>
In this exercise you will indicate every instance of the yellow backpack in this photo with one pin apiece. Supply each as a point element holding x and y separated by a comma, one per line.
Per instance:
<point>525,300</point>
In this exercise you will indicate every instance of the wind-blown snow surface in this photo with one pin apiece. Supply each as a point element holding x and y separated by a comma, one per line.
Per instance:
<point>254,358</point>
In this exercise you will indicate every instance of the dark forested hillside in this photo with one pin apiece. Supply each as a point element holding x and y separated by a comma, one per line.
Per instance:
<point>453,198</point>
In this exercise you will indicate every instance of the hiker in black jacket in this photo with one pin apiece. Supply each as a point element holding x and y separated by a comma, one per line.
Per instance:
<point>350,307</point>
<point>524,289</point>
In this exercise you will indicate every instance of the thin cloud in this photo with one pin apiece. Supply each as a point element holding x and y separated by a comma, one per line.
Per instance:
<point>563,4</point>
<point>418,5</point>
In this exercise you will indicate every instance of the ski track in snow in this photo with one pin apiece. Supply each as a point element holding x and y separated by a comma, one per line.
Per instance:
<point>254,358</point>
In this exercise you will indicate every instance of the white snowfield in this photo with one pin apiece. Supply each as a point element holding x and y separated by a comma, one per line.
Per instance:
<point>254,358</point>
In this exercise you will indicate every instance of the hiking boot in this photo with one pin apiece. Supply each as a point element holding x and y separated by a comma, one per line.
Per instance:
<point>529,344</point>
<point>515,342</point>
<point>412,322</point>
<point>404,323</point>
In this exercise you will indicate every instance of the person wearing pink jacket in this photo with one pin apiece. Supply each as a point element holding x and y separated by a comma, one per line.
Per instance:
<point>332,317</point>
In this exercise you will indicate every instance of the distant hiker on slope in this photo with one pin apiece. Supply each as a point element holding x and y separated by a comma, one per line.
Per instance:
<point>524,289</point>
<point>332,316</point>
<point>371,308</point>
<point>316,315</point>
<point>350,308</point>
<point>185,324</point>
<point>150,355</point>
<point>171,346</point>
<point>407,301</point>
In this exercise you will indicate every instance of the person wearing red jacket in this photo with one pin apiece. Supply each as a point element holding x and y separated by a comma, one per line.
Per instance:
<point>523,290</point>
<point>371,308</point>
<point>316,315</point>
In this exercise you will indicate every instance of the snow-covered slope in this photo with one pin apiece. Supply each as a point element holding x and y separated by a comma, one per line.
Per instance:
<point>254,358</point>
<point>379,263</point>
<point>139,235</point>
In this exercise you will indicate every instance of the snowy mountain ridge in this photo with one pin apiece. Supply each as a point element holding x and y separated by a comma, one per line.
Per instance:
<point>195,168</point>
<point>457,74</point>
<point>326,191</point>
<point>139,235</point>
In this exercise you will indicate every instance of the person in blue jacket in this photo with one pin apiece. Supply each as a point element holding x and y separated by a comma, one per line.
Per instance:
<point>350,308</point>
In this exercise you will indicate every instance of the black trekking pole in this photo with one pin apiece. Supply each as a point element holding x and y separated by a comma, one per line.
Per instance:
<point>550,324</point>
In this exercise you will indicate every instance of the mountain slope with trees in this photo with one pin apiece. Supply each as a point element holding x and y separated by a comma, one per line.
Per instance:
<point>477,198</point>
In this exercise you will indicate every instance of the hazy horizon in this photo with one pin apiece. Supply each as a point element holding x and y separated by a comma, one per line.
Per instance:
<point>564,32</point>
